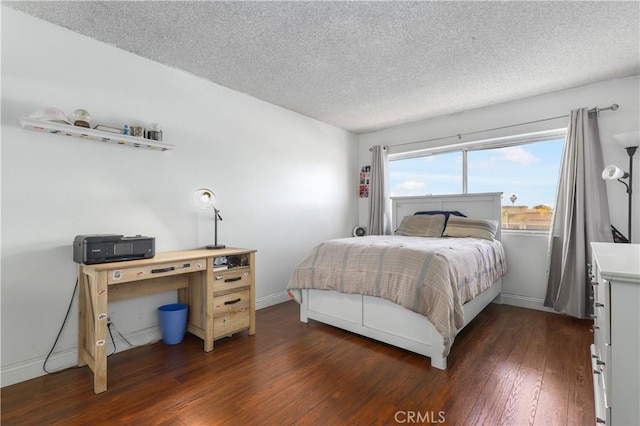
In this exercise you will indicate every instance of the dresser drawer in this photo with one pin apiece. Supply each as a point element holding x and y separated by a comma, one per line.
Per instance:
<point>231,322</point>
<point>154,271</point>
<point>231,279</point>
<point>238,301</point>
<point>599,392</point>
<point>616,383</point>
<point>598,292</point>
<point>601,321</point>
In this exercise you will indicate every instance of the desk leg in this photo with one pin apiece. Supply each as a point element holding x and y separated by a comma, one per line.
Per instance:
<point>252,295</point>
<point>99,322</point>
<point>208,306</point>
<point>82,316</point>
<point>92,326</point>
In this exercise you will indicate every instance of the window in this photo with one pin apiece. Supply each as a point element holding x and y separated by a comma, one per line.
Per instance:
<point>432,175</point>
<point>524,169</point>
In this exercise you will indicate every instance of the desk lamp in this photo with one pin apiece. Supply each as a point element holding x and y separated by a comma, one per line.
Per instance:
<point>630,142</point>
<point>204,198</point>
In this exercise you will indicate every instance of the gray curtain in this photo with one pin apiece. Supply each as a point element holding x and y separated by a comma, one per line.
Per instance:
<point>581,216</point>
<point>379,216</point>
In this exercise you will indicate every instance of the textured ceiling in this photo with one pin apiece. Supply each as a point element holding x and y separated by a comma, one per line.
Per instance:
<point>365,66</point>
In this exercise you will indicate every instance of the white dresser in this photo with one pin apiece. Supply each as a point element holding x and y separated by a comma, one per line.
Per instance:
<point>615,353</point>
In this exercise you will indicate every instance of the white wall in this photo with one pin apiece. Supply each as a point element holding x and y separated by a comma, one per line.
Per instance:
<point>283,181</point>
<point>525,283</point>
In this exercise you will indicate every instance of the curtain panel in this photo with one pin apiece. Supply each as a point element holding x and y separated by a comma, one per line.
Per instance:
<point>581,216</point>
<point>379,211</point>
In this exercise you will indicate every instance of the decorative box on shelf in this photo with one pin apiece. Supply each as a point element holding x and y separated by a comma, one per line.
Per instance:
<point>92,134</point>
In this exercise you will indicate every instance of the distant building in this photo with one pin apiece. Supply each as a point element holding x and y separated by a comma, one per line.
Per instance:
<point>523,217</point>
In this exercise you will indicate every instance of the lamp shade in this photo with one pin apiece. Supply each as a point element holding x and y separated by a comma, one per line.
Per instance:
<point>628,139</point>
<point>204,198</point>
<point>612,172</point>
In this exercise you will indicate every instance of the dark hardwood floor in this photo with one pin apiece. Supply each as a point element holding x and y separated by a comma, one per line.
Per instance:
<point>509,366</point>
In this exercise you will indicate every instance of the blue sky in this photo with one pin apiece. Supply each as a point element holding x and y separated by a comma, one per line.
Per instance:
<point>530,171</point>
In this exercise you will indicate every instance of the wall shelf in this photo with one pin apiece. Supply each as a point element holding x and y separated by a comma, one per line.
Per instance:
<point>91,134</point>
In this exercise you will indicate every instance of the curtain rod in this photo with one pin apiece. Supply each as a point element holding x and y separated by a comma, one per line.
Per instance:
<point>597,110</point>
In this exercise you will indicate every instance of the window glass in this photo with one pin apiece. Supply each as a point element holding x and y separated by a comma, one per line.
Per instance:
<point>432,175</point>
<point>526,174</point>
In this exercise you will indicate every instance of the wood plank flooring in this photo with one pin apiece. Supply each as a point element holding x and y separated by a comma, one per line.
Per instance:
<point>509,366</point>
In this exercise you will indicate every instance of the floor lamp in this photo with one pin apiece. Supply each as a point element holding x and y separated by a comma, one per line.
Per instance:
<point>204,198</point>
<point>630,141</point>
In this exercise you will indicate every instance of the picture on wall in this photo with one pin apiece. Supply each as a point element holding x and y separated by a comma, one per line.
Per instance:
<point>365,175</point>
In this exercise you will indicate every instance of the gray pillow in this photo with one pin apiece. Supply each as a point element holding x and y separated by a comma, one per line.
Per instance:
<point>422,226</point>
<point>475,228</point>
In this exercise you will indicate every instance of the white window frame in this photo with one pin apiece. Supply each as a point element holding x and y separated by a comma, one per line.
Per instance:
<point>494,143</point>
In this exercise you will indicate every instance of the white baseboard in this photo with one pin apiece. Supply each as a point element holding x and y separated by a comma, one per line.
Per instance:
<point>525,302</point>
<point>67,358</point>
<point>272,299</point>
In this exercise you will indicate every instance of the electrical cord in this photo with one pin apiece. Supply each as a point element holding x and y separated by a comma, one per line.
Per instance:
<point>113,342</point>
<point>64,322</point>
<point>120,334</point>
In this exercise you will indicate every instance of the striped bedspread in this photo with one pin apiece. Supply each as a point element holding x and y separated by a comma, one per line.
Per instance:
<point>431,276</point>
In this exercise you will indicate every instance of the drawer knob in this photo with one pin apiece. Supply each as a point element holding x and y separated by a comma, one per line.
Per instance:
<point>599,305</point>
<point>599,420</point>
<point>231,302</point>
<point>230,280</point>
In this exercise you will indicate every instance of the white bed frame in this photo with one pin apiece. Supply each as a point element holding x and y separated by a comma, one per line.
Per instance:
<point>387,322</point>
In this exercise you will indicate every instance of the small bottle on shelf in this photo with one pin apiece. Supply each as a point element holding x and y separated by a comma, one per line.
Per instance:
<point>82,118</point>
<point>154,132</point>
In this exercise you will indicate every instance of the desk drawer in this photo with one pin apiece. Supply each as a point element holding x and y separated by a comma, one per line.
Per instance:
<point>238,301</point>
<point>230,279</point>
<point>231,322</point>
<point>158,270</point>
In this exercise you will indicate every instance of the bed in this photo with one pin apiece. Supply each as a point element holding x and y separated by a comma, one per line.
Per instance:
<point>365,285</point>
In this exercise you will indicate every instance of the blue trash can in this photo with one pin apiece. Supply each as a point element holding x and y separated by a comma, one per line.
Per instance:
<point>173,322</point>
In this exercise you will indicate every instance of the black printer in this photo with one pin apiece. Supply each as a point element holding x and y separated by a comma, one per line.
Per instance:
<point>103,248</point>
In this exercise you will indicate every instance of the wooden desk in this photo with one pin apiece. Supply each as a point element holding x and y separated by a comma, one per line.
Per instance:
<point>221,302</point>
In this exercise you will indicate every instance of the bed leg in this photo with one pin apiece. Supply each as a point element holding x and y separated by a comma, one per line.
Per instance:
<point>439,362</point>
<point>304,306</point>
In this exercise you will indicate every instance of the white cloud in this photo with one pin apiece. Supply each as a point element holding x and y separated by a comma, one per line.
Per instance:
<point>517,154</point>
<point>411,187</point>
